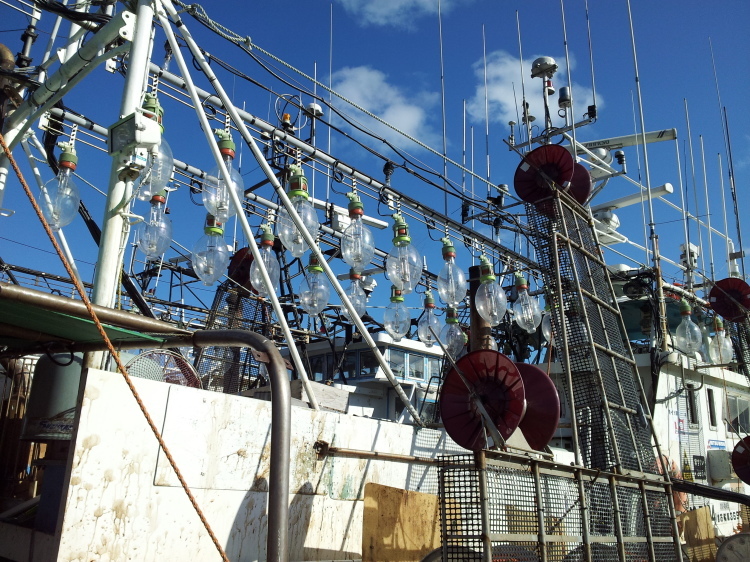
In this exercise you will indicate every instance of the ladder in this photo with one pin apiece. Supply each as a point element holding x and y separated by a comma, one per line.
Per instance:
<point>611,423</point>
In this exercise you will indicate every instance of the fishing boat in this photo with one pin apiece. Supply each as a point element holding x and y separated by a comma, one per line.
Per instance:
<point>234,401</point>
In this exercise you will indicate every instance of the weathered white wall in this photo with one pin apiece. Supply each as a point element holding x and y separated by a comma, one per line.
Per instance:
<point>124,502</point>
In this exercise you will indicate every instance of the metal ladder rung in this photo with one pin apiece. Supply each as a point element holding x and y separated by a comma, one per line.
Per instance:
<point>614,354</point>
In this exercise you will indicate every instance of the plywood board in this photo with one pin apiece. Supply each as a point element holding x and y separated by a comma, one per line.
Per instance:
<point>398,524</point>
<point>698,531</point>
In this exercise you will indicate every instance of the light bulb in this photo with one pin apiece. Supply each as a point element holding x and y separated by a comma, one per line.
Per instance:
<point>688,338</point>
<point>547,328</point>
<point>403,264</point>
<point>396,318</point>
<point>59,197</point>
<point>451,281</point>
<point>288,232</point>
<point>158,171</point>
<point>452,336</point>
<point>526,310</point>
<point>427,321</point>
<point>155,234</point>
<point>210,254</point>
<point>490,298</point>
<point>270,261</point>
<point>356,295</point>
<point>159,162</point>
<point>216,197</point>
<point>357,243</point>
<point>721,349</point>
<point>314,290</point>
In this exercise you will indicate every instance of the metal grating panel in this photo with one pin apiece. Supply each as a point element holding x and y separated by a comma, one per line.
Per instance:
<point>612,431</point>
<point>233,369</point>
<point>538,510</point>
<point>740,334</point>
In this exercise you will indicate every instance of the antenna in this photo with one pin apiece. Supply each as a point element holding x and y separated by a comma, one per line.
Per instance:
<point>591,57</point>
<point>442,104</point>
<point>330,91</point>
<point>708,212</point>
<point>730,163</point>
<point>732,187</point>
<point>724,212</point>
<point>486,112</point>
<point>567,68</point>
<point>695,188</point>
<point>526,118</point>
<point>652,231</point>
<point>685,219</point>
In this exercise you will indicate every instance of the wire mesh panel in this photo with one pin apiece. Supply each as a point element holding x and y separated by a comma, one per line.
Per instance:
<point>740,334</point>
<point>536,510</point>
<point>460,509</point>
<point>613,432</point>
<point>233,369</point>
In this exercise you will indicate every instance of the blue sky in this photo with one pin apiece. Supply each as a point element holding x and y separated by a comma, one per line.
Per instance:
<point>386,58</point>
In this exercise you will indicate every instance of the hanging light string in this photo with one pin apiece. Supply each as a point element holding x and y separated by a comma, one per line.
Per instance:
<point>112,351</point>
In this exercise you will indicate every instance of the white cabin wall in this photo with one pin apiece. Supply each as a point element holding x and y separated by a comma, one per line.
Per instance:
<point>124,501</point>
<point>668,421</point>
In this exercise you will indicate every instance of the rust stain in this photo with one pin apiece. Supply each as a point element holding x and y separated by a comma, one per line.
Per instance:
<point>91,441</point>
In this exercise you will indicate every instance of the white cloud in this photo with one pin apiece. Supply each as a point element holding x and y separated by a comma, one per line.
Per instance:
<point>370,89</point>
<point>400,13</point>
<point>504,73</point>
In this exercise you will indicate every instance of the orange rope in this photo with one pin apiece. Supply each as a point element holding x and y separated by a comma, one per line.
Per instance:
<point>112,351</point>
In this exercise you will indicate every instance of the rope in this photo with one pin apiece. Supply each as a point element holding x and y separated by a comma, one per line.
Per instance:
<point>112,350</point>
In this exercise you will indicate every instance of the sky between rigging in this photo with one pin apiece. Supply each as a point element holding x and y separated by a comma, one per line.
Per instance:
<point>386,58</point>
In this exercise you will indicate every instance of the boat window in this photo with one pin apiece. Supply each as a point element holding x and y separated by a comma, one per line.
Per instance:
<point>428,410</point>
<point>433,367</point>
<point>368,364</point>
<point>738,415</point>
<point>416,366</point>
<point>320,366</point>
<point>349,365</point>
<point>398,362</point>
<point>692,406</point>
<point>711,407</point>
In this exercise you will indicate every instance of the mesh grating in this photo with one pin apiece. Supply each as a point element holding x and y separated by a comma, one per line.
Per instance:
<point>740,334</point>
<point>232,369</point>
<point>535,512</point>
<point>585,319</point>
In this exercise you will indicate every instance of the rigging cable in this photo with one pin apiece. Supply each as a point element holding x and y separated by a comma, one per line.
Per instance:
<point>246,45</point>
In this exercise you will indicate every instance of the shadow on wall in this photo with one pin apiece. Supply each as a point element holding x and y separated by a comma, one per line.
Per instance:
<point>312,535</point>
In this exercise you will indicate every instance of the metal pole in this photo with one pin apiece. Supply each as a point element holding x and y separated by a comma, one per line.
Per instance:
<point>277,541</point>
<point>481,331</point>
<point>585,514</point>
<point>541,523</point>
<point>724,212</point>
<point>616,518</point>
<point>480,463</point>
<point>114,233</point>
<point>685,219</point>
<point>655,246</point>
<point>708,212</point>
